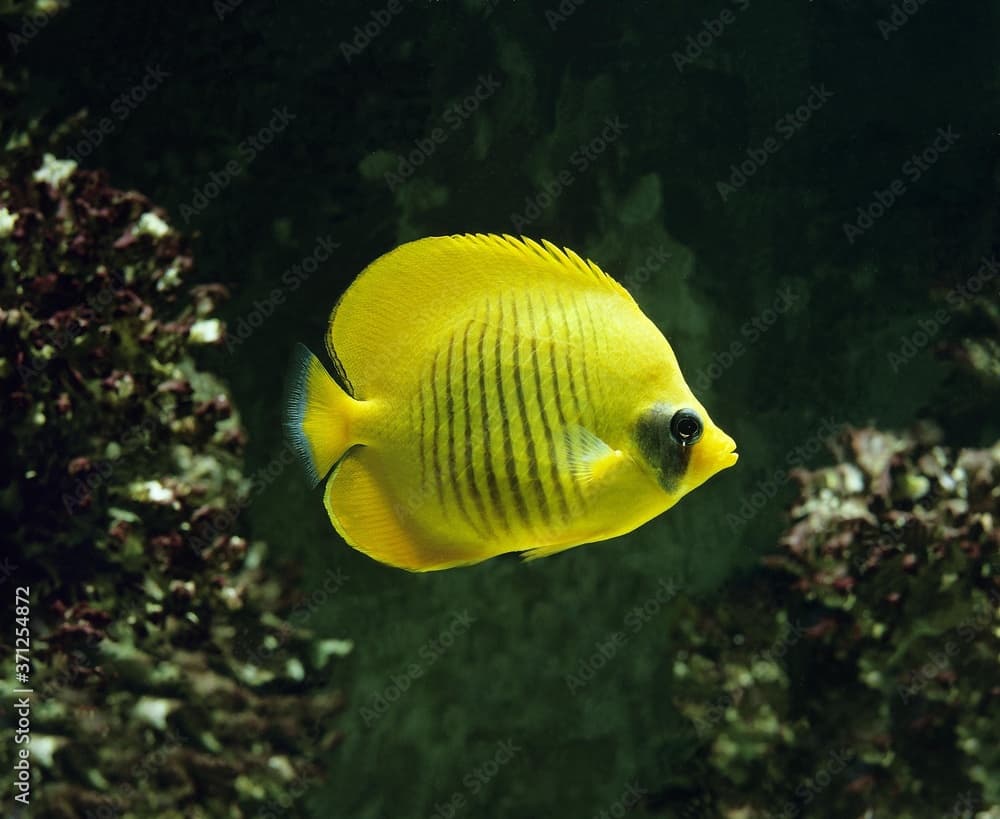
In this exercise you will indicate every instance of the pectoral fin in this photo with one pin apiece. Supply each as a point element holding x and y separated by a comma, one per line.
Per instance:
<point>588,456</point>
<point>591,462</point>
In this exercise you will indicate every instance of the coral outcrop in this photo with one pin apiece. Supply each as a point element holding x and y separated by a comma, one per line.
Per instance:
<point>174,672</point>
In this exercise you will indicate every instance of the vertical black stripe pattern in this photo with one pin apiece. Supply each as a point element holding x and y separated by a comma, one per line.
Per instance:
<point>569,362</point>
<point>564,316</point>
<point>529,438</point>
<point>470,473</point>
<point>593,330</point>
<point>549,438</point>
<point>435,443</point>
<point>508,445</point>
<point>583,358</point>
<point>452,453</point>
<point>423,440</point>
<point>552,363</point>
<point>491,478</point>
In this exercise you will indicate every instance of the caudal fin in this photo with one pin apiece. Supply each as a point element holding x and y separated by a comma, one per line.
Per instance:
<point>318,415</point>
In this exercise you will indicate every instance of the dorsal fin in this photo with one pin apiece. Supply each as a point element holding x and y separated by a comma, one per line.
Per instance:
<point>403,299</point>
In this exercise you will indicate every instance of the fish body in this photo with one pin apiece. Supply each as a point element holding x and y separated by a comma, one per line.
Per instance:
<point>501,396</point>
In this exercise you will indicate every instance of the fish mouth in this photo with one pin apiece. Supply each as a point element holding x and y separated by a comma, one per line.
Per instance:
<point>715,454</point>
<point>722,459</point>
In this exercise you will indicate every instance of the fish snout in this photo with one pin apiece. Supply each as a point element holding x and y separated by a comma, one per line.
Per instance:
<point>714,452</point>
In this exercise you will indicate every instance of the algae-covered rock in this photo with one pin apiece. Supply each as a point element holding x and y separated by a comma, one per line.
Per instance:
<point>818,687</point>
<point>977,347</point>
<point>167,677</point>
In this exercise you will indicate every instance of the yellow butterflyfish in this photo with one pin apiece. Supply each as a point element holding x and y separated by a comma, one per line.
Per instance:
<point>496,395</point>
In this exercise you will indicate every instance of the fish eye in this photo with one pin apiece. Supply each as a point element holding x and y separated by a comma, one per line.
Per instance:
<point>685,427</point>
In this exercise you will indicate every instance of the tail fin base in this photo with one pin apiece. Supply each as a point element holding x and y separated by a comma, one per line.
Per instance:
<point>317,415</point>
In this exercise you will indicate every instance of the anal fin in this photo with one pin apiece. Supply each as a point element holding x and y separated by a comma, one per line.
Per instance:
<point>545,551</point>
<point>362,509</point>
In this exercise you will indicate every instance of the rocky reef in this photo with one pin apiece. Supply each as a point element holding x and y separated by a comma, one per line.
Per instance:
<point>817,687</point>
<point>975,344</point>
<point>173,670</point>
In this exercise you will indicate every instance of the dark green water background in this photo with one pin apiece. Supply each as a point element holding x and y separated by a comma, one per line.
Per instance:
<point>653,191</point>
